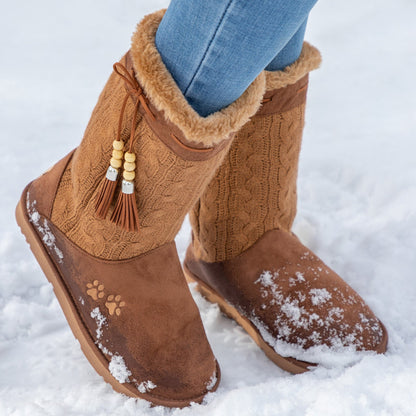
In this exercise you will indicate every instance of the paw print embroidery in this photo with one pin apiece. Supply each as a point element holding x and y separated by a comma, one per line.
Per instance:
<point>95,290</point>
<point>114,304</point>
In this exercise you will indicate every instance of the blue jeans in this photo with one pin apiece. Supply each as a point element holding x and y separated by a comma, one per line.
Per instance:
<point>214,49</point>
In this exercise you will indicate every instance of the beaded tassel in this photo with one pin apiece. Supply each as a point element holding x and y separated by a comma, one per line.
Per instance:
<point>125,213</point>
<point>109,184</point>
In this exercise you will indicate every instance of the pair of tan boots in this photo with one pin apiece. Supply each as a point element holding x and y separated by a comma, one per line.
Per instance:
<point>102,223</point>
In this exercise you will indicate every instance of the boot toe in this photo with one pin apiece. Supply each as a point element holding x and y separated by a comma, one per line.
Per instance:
<point>292,304</point>
<point>178,369</point>
<point>168,387</point>
<point>304,303</point>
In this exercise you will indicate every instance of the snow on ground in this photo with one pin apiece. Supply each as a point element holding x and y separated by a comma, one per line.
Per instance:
<point>357,207</point>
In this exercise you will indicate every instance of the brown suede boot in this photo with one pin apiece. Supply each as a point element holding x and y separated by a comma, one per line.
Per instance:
<point>108,248</point>
<point>244,256</point>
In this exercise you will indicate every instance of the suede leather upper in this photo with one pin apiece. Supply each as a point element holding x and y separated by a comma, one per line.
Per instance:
<point>282,287</point>
<point>139,309</point>
<point>243,248</point>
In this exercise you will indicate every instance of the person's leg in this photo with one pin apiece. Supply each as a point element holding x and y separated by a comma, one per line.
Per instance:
<point>205,45</point>
<point>290,52</point>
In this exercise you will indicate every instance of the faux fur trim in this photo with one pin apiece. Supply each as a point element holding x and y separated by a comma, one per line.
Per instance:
<point>309,59</point>
<point>164,94</point>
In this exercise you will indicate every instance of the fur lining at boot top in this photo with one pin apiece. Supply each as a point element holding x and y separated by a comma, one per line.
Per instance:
<point>309,60</point>
<point>164,93</point>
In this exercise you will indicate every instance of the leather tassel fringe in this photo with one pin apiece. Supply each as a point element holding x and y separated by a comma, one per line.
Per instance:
<point>108,185</point>
<point>106,193</point>
<point>125,213</point>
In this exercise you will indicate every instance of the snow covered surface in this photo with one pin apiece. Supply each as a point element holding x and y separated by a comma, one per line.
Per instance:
<point>357,208</point>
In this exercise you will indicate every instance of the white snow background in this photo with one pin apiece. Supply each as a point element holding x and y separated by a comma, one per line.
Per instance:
<point>357,207</point>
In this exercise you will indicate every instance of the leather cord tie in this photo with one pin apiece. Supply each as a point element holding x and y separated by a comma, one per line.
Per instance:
<point>125,213</point>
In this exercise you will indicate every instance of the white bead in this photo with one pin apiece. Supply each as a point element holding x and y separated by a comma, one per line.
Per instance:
<point>129,166</point>
<point>117,154</point>
<point>129,157</point>
<point>116,163</point>
<point>118,145</point>
<point>128,176</point>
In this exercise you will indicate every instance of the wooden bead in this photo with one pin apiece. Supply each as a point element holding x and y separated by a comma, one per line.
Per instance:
<point>129,157</point>
<point>117,154</point>
<point>128,176</point>
<point>115,163</point>
<point>129,166</point>
<point>118,145</point>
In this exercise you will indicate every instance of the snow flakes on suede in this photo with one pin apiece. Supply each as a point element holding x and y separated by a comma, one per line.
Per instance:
<point>48,237</point>
<point>100,320</point>
<point>306,307</point>
<point>319,296</point>
<point>117,366</point>
<point>118,369</point>
<point>146,386</point>
<point>213,381</point>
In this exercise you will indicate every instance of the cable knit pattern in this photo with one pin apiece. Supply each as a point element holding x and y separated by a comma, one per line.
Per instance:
<point>254,190</point>
<point>166,185</point>
<point>168,182</point>
<point>243,255</point>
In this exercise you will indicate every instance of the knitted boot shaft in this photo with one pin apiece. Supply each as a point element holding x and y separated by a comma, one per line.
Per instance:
<point>177,154</point>
<point>254,190</point>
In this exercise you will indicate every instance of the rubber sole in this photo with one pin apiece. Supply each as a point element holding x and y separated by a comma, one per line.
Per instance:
<point>286,363</point>
<point>88,347</point>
